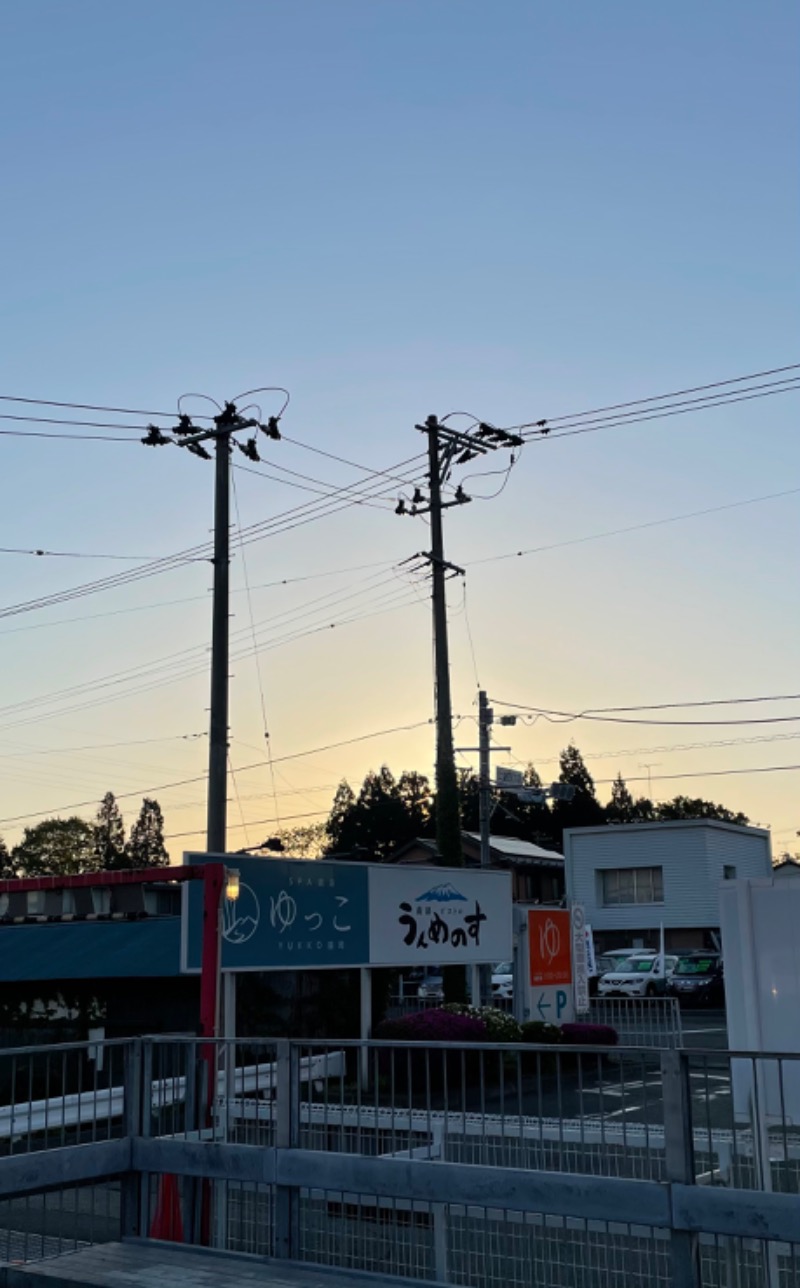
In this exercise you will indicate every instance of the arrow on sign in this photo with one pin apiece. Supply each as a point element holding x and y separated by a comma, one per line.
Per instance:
<point>543,1006</point>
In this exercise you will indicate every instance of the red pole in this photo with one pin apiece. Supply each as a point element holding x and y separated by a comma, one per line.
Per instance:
<point>213,881</point>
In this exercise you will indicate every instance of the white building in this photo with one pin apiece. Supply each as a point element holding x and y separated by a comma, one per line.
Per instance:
<point>633,877</point>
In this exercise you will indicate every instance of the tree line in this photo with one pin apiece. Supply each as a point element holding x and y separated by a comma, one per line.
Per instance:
<point>388,812</point>
<point>66,846</point>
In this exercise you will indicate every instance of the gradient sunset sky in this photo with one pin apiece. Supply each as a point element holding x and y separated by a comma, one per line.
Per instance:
<point>393,208</point>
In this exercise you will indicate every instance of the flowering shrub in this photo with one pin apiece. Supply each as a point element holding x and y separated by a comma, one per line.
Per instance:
<point>434,1025</point>
<point>499,1025</point>
<point>539,1033</point>
<point>588,1035</point>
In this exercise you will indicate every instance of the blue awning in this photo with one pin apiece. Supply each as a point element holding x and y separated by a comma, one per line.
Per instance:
<point>91,950</point>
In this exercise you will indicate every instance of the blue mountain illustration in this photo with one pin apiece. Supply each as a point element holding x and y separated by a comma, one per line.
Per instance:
<point>445,893</point>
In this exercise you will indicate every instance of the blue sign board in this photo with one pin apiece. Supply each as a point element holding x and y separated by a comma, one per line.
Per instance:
<point>290,913</point>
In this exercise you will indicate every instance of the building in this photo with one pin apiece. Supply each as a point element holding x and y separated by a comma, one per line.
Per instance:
<point>537,874</point>
<point>786,869</point>
<point>632,878</point>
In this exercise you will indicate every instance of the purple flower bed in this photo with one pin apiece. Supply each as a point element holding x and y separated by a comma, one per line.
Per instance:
<point>588,1035</point>
<point>433,1025</point>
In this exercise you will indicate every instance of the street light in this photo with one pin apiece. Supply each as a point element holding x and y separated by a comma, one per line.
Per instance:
<point>232,886</point>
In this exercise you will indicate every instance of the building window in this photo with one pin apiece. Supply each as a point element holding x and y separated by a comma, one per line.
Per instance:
<point>729,872</point>
<point>631,885</point>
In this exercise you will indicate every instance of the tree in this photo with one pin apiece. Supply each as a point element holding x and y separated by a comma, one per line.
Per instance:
<point>303,842</point>
<point>386,814</point>
<point>145,848</point>
<point>109,835</point>
<point>55,847</point>
<point>695,807</point>
<point>340,827</point>
<point>6,866</point>
<point>584,810</point>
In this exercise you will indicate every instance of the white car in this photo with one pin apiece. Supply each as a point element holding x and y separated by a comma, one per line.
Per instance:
<point>639,976</point>
<point>503,980</point>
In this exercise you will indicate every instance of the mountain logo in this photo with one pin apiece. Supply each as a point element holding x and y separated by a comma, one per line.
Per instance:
<point>241,917</point>
<point>444,893</point>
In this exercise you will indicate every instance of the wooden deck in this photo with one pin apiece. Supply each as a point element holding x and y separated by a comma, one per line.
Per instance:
<point>160,1265</point>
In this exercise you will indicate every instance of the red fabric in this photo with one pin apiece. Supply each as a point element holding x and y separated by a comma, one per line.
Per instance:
<point>168,1222</point>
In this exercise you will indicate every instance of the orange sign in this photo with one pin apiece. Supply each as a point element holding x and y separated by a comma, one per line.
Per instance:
<point>549,951</point>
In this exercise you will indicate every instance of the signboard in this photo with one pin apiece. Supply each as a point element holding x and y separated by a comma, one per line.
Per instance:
<point>509,778</point>
<point>580,964</point>
<point>445,916</point>
<point>297,913</point>
<point>289,913</point>
<point>552,1005</point>
<point>591,956</point>
<point>549,956</point>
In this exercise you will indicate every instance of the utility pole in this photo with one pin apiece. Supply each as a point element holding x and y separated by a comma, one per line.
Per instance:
<point>448,814</point>
<point>186,434</point>
<point>485,717</point>
<point>217,803</point>
<point>446,448</point>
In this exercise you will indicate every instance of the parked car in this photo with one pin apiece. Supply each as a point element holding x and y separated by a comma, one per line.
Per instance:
<point>431,988</point>
<point>503,980</point>
<point>698,980</point>
<point>615,958</point>
<point>639,976</point>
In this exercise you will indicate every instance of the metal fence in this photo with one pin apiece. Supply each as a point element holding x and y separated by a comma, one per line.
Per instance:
<point>481,1165</point>
<point>640,1021</point>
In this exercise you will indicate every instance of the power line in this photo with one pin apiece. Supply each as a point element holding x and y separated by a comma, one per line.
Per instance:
<point>638,527</point>
<point>709,773</point>
<point>567,717</point>
<point>258,822</point>
<point>100,746</point>
<point>78,554</point>
<point>675,393</point>
<point>567,432</point>
<point>194,599</point>
<point>243,769</point>
<point>665,748</point>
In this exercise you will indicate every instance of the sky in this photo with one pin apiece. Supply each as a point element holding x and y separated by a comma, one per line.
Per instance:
<point>394,208</point>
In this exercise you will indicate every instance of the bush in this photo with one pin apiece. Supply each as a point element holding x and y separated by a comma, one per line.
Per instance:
<point>420,1071</point>
<point>539,1033</point>
<point>499,1025</point>
<point>437,1024</point>
<point>588,1035</point>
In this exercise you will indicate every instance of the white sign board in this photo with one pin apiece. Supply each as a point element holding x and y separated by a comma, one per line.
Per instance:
<point>445,916</point>
<point>509,777</point>
<point>580,965</point>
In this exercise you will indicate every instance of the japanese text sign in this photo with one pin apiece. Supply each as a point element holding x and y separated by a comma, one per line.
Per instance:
<point>445,916</point>
<point>294,913</point>
<point>549,934</point>
<point>289,913</point>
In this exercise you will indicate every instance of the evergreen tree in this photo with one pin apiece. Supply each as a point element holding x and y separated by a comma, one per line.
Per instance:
<point>620,808</point>
<point>340,827</point>
<point>55,847</point>
<point>6,866</point>
<point>109,835</point>
<point>584,810</point>
<point>145,848</point>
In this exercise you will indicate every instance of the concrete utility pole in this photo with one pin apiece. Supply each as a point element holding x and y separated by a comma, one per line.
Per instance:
<point>186,434</point>
<point>485,717</point>
<point>446,448</point>
<point>448,815</point>
<point>217,804</point>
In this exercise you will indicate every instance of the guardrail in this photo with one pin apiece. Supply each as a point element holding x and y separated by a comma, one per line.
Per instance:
<point>482,1164</point>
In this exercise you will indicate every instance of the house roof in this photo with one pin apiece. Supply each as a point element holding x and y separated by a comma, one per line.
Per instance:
<point>504,849</point>
<point>672,824</point>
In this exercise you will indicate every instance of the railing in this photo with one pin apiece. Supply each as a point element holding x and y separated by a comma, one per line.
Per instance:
<point>480,1165</point>
<point>640,1021</point>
